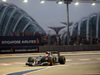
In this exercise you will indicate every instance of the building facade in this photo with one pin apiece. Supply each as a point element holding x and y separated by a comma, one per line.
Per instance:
<point>87,26</point>
<point>17,21</point>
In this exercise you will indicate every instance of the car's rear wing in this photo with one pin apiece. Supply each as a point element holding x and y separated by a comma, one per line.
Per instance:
<point>55,52</point>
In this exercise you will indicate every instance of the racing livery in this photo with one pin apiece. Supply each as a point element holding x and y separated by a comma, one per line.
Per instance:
<point>49,59</point>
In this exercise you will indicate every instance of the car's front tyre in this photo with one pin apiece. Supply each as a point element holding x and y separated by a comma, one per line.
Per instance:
<point>30,61</point>
<point>50,60</point>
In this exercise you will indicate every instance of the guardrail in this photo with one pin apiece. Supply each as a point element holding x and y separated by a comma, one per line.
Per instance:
<point>66,48</point>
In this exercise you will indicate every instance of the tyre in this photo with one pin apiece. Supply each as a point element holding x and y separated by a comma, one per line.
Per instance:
<point>31,59</point>
<point>62,60</point>
<point>50,60</point>
<point>26,63</point>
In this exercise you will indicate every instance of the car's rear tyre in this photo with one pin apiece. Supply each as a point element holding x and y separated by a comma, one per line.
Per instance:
<point>31,59</point>
<point>62,60</point>
<point>50,60</point>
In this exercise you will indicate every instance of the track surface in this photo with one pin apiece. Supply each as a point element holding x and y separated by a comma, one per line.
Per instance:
<point>77,63</point>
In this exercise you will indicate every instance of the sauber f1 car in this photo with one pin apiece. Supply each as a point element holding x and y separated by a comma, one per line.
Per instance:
<point>48,59</point>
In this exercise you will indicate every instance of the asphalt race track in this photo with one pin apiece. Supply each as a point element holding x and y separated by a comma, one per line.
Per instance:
<point>77,63</point>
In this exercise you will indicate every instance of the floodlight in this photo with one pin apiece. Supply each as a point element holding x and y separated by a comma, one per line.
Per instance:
<point>4,0</point>
<point>76,3</point>
<point>25,1</point>
<point>59,2</point>
<point>93,3</point>
<point>42,1</point>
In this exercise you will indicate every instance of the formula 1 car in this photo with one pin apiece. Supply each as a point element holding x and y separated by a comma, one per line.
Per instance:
<point>49,59</point>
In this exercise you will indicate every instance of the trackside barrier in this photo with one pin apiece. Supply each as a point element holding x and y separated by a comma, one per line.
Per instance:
<point>19,44</point>
<point>70,48</point>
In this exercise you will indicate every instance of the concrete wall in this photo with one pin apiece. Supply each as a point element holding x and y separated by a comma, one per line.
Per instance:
<point>69,48</point>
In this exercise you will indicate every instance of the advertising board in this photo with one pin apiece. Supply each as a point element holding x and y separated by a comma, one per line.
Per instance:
<point>19,44</point>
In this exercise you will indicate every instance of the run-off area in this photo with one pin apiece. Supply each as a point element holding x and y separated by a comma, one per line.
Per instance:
<point>77,65</point>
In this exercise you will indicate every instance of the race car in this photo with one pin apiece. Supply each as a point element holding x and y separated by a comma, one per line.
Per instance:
<point>48,59</point>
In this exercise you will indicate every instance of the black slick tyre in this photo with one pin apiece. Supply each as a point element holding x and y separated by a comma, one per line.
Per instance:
<point>50,60</point>
<point>30,59</point>
<point>62,60</point>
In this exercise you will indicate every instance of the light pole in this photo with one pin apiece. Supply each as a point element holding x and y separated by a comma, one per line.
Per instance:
<point>67,2</point>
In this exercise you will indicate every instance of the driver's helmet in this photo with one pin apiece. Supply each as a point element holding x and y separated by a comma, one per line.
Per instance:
<point>47,53</point>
